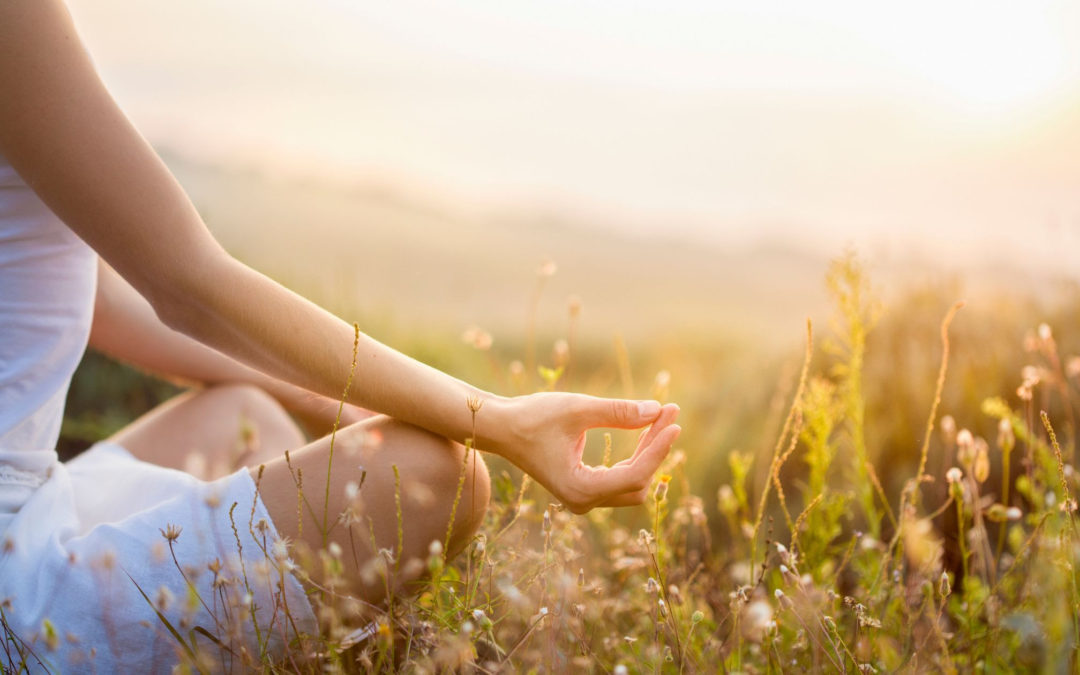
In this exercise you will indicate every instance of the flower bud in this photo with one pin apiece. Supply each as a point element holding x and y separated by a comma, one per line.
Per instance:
<point>965,448</point>
<point>1006,438</point>
<point>981,467</point>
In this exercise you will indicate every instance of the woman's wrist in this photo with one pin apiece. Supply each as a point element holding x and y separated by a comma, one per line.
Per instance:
<point>497,425</point>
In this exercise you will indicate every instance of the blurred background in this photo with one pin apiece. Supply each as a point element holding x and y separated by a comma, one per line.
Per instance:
<point>692,150</point>
<point>690,166</point>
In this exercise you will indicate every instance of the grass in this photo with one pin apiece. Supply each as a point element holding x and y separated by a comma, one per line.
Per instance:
<point>903,501</point>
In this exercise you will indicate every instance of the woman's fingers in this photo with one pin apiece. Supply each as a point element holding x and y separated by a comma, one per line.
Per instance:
<point>617,413</point>
<point>603,484</point>
<point>667,416</point>
<point>635,498</point>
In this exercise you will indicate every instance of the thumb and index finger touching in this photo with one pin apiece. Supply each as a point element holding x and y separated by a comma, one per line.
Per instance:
<point>634,473</point>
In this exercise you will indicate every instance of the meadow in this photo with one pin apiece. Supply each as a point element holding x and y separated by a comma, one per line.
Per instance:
<point>886,487</point>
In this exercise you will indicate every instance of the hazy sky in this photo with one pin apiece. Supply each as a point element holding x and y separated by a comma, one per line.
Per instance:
<point>946,125</point>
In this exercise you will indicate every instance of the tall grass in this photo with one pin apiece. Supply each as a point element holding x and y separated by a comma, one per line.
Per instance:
<point>885,533</point>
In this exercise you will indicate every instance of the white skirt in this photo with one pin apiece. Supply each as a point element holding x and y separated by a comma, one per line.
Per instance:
<point>90,583</point>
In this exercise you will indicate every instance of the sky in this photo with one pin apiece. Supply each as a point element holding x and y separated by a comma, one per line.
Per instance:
<point>941,129</point>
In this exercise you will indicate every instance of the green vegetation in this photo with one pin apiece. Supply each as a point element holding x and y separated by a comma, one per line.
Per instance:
<point>900,503</point>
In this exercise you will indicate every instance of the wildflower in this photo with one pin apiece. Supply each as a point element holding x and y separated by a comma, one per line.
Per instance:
<point>561,352</point>
<point>965,448</point>
<point>474,404</point>
<point>662,488</point>
<point>997,513</point>
<point>171,532</point>
<point>479,338</point>
<point>697,617</point>
<point>1013,513</point>
<point>1045,333</point>
<point>661,607</point>
<point>662,384</point>
<point>214,566</point>
<point>1005,439</point>
<point>517,369</point>
<point>548,268</point>
<point>480,546</point>
<point>651,586</point>
<point>581,576</point>
<point>543,611</point>
<point>785,555</point>
<point>954,475</point>
<point>981,468</point>
<point>247,600</point>
<point>673,594</point>
<point>948,429</point>
<point>725,498</point>
<point>335,549</point>
<point>788,575</point>
<point>945,586</point>
<point>756,619</point>
<point>547,521</point>
<point>620,669</point>
<point>1072,366</point>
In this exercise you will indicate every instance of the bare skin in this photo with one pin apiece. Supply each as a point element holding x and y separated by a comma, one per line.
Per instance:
<point>64,134</point>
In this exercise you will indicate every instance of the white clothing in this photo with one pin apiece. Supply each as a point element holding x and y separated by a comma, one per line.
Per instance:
<point>79,540</point>
<point>81,552</point>
<point>48,279</point>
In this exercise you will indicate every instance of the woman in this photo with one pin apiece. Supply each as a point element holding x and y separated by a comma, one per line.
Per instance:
<point>83,542</point>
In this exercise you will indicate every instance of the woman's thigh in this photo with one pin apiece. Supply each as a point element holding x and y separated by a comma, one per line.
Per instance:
<point>356,496</point>
<point>212,432</point>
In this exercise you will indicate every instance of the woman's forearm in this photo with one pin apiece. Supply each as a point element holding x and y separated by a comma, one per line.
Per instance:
<point>279,333</point>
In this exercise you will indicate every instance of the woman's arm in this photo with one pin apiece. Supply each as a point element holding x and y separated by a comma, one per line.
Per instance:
<point>69,141</point>
<point>126,328</point>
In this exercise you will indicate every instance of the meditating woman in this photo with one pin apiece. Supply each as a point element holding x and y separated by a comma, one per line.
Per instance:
<point>99,243</point>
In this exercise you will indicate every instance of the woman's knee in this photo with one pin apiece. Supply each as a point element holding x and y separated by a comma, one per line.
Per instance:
<point>436,478</point>
<point>262,424</point>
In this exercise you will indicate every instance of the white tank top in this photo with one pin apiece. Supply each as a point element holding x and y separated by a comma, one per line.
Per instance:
<point>48,279</point>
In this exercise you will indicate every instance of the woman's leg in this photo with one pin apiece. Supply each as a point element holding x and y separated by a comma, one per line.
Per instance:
<point>212,432</point>
<point>365,454</point>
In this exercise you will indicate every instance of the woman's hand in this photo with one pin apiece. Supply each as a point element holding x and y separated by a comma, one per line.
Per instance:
<point>544,435</point>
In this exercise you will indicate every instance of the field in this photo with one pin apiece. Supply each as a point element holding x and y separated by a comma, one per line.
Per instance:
<point>848,498</point>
